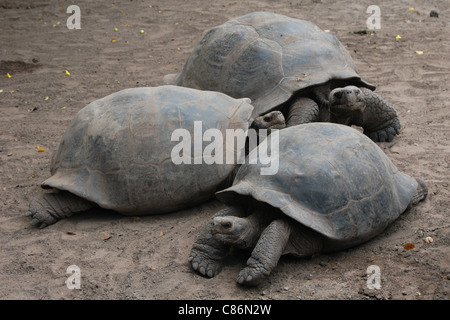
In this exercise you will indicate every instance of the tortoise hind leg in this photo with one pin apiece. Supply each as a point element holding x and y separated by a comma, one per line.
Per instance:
<point>380,120</point>
<point>48,208</point>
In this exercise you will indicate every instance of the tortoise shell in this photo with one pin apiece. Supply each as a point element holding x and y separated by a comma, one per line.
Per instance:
<point>117,151</point>
<point>331,178</point>
<point>268,58</point>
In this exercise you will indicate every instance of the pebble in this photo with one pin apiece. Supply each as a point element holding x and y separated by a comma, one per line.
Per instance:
<point>434,14</point>
<point>428,240</point>
<point>309,277</point>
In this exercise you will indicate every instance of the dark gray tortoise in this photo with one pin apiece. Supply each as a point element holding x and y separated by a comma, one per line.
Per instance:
<point>117,153</point>
<point>334,189</point>
<point>290,65</point>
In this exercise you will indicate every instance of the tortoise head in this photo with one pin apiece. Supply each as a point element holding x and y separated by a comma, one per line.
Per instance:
<point>231,230</point>
<point>271,120</point>
<point>347,99</point>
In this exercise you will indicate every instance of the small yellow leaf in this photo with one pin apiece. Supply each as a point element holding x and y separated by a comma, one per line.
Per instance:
<point>142,31</point>
<point>161,233</point>
<point>64,108</point>
<point>127,25</point>
<point>418,52</point>
<point>160,11</point>
<point>8,75</point>
<point>411,9</point>
<point>67,73</point>
<point>46,98</point>
<point>39,149</point>
<point>113,40</point>
<point>398,37</point>
<point>115,29</point>
<point>1,90</point>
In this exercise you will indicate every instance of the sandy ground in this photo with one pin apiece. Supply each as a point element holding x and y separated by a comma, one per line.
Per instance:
<point>146,258</point>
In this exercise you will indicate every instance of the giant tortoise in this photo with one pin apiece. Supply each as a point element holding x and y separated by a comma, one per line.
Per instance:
<point>290,65</point>
<point>335,188</point>
<point>121,153</point>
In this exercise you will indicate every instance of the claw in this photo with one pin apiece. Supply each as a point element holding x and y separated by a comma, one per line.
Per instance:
<point>204,265</point>
<point>202,270</point>
<point>248,277</point>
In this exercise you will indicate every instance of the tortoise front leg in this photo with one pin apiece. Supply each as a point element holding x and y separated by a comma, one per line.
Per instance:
<point>380,120</point>
<point>266,253</point>
<point>207,253</point>
<point>302,110</point>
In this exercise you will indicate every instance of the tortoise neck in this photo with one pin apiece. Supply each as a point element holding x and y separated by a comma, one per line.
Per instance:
<point>321,96</point>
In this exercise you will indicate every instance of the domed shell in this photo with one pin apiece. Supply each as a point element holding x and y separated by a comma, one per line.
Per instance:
<point>117,151</point>
<point>266,57</point>
<point>330,178</point>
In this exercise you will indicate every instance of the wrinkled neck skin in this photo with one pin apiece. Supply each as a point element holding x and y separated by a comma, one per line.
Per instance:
<point>258,220</point>
<point>251,231</point>
<point>321,95</point>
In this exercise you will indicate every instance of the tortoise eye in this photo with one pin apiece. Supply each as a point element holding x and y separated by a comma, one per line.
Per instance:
<point>267,119</point>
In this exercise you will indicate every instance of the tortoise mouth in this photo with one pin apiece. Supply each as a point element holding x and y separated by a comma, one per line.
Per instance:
<point>346,99</point>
